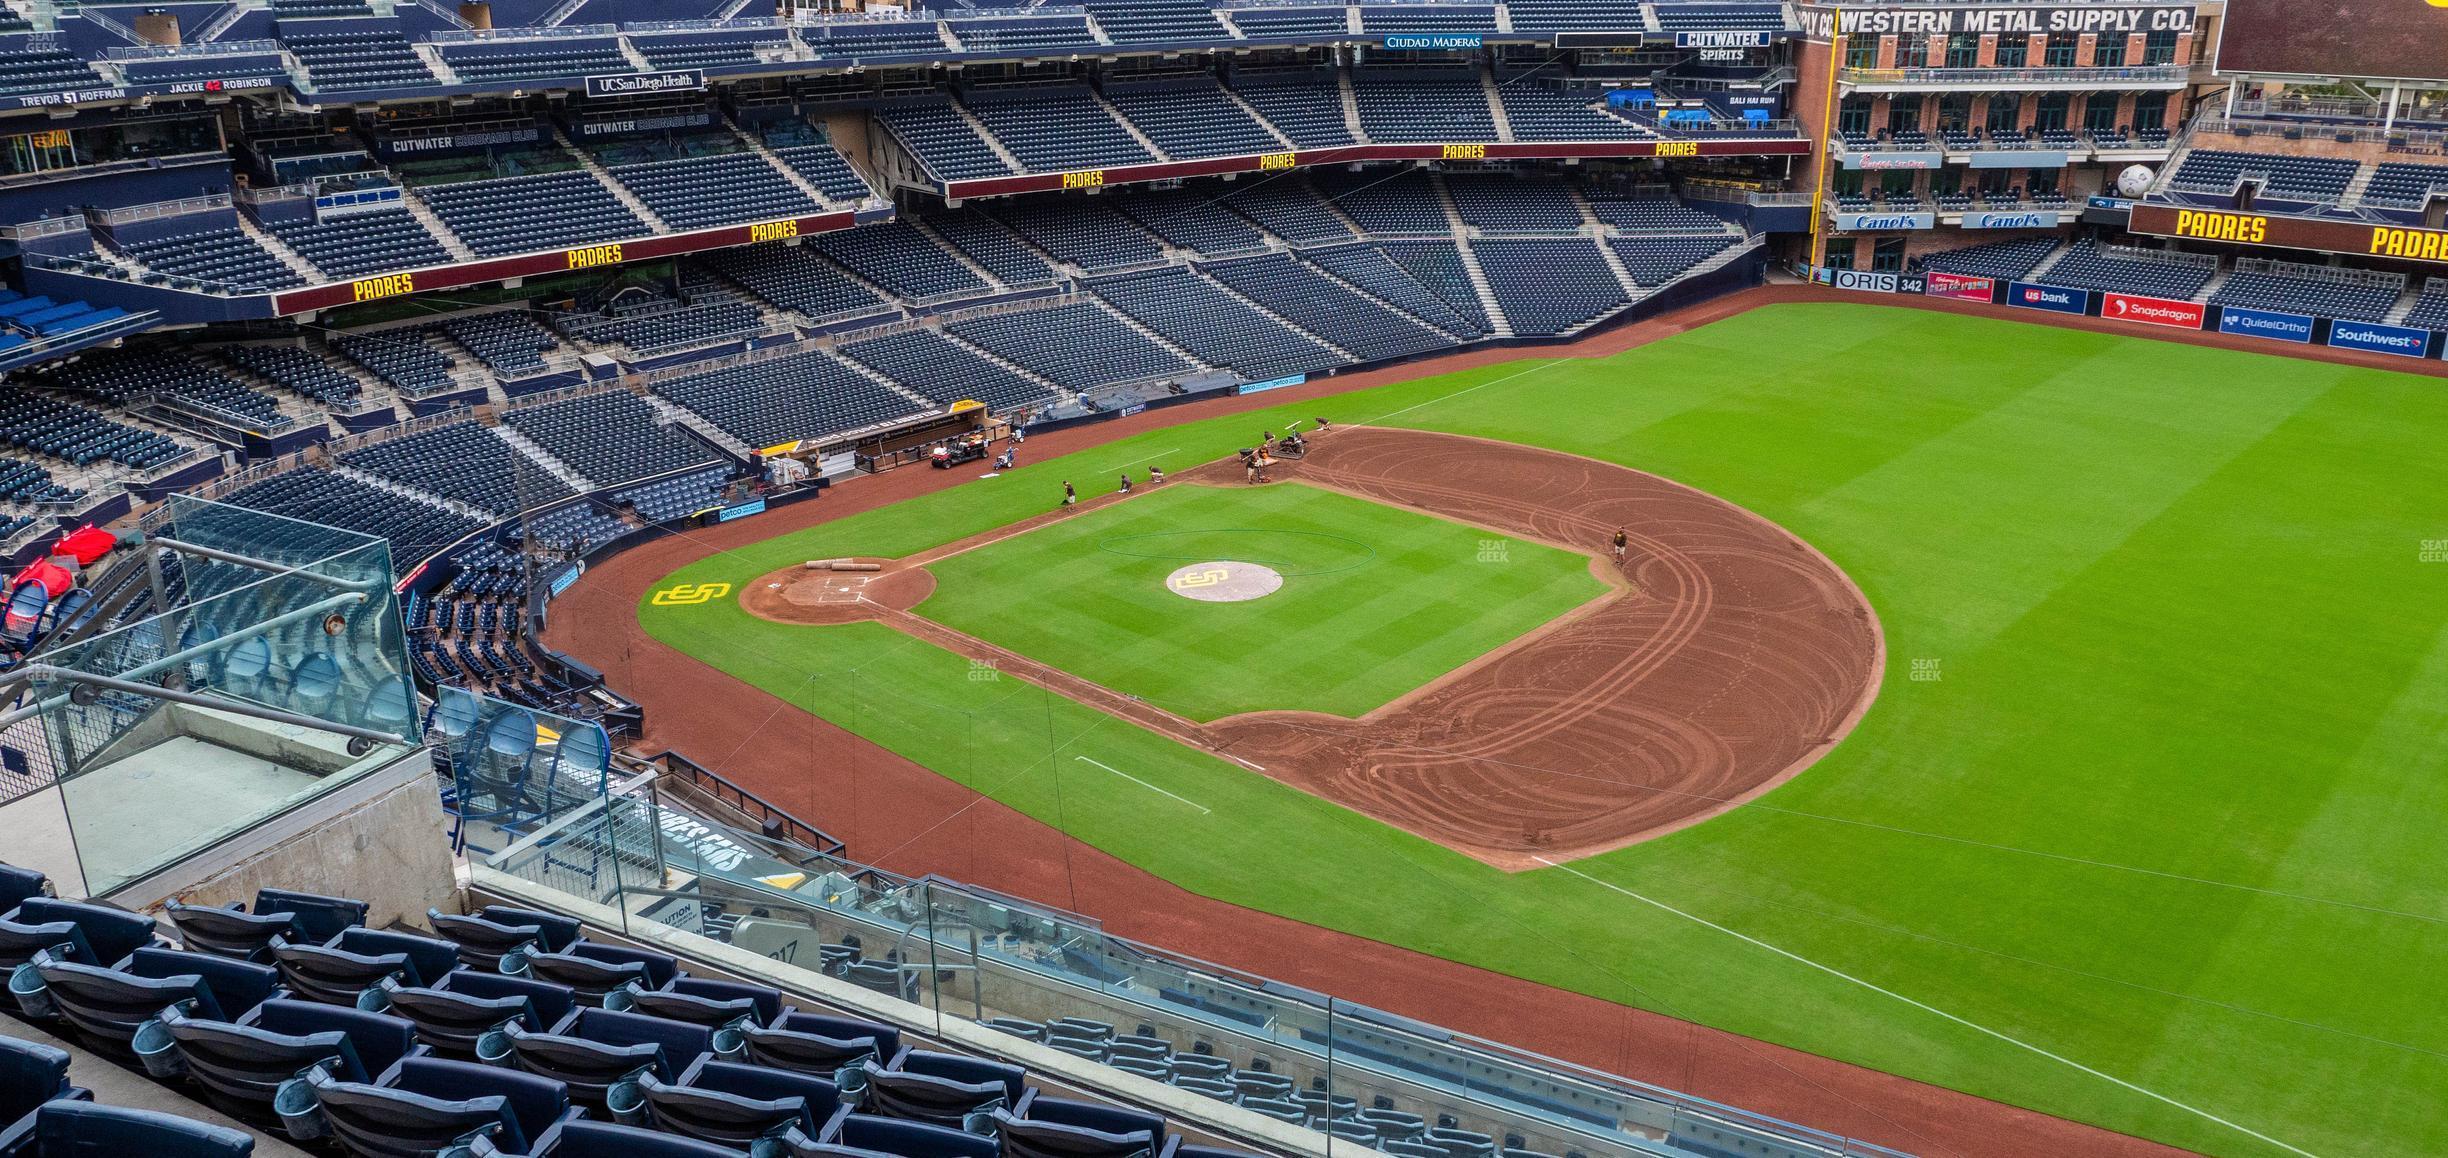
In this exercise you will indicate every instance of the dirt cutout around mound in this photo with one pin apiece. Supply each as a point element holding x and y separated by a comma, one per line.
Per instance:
<point>1729,657</point>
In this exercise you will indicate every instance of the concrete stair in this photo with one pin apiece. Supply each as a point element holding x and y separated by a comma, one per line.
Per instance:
<point>672,413</point>
<point>619,191</point>
<point>1351,100</point>
<point>985,134</point>
<point>296,261</point>
<point>552,463</point>
<point>1277,318</point>
<point>1145,141</point>
<point>1495,100</point>
<point>434,224</point>
<point>1499,326</point>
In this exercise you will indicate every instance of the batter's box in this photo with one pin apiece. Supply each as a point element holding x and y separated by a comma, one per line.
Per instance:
<point>831,589</point>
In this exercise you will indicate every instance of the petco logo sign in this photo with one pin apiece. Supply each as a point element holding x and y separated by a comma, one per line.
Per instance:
<point>2058,299</point>
<point>2403,341</point>
<point>646,83</point>
<point>2144,311</point>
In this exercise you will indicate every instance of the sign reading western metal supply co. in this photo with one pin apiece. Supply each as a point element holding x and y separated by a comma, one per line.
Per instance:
<point>1818,23</point>
<point>646,83</point>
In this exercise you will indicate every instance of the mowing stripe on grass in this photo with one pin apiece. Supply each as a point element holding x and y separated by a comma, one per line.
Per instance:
<point>1925,1007</point>
<point>1144,784</point>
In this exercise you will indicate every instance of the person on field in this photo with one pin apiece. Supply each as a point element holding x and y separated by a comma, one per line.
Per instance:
<point>1126,482</point>
<point>1070,496</point>
<point>1004,461</point>
<point>1155,476</point>
<point>1622,540</point>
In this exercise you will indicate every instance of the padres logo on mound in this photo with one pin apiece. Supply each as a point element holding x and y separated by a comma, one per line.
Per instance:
<point>1208,577</point>
<point>690,594</point>
<point>1224,581</point>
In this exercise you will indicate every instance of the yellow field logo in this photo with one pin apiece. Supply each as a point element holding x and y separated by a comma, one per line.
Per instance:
<point>1197,579</point>
<point>690,594</point>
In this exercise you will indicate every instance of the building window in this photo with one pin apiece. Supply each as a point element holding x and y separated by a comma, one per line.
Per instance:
<point>1853,119</point>
<point>1840,253</point>
<point>2060,53</point>
<point>1904,115</point>
<point>1954,112</point>
<point>2099,112</point>
<point>2013,51</point>
<point>1887,256</point>
<point>1963,51</point>
<point>2150,111</point>
<point>2005,112</point>
<point>1861,52</point>
<point>2052,113</point>
<point>2110,51</point>
<point>1911,51</point>
<point>2160,48</point>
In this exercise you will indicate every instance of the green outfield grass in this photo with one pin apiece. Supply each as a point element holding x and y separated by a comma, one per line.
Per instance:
<point>1376,601</point>
<point>2169,810</point>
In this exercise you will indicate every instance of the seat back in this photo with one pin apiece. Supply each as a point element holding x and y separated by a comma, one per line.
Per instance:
<point>232,932</point>
<point>451,1021</point>
<point>372,1121</point>
<point>482,943</point>
<point>558,932</point>
<point>586,1139</point>
<point>108,1004</point>
<point>717,1115</point>
<point>921,1097</point>
<point>16,884</point>
<point>692,1000</point>
<point>85,1130</point>
<point>1030,1138</point>
<point>31,1073</point>
<point>910,1139</point>
<point>318,918</point>
<point>337,976</point>
<point>111,933</point>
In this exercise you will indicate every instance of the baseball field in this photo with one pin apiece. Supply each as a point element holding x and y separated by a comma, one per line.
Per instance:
<point>2142,827</point>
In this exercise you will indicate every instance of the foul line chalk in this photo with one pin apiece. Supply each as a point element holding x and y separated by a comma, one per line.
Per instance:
<point>1932,1009</point>
<point>1203,809</point>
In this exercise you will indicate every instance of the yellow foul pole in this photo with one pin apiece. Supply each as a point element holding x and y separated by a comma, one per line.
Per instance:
<point>1827,131</point>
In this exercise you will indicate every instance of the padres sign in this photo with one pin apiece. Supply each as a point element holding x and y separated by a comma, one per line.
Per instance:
<point>690,594</point>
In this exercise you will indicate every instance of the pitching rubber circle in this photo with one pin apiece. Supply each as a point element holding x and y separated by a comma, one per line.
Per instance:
<point>1224,581</point>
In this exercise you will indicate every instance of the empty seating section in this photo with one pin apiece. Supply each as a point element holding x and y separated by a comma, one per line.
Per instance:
<point>1370,269</point>
<point>1438,267</point>
<point>796,396</point>
<point>1053,129</point>
<point>535,59</point>
<point>1369,329</point>
<point>25,68</point>
<point>1193,120</point>
<point>25,482</point>
<point>698,192</point>
<point>522,214</point>
<point>1287,208</point>
<point>363,243</point>
<point>297,369</point>
<point>707,50</point>
<point>2406,185</point>
<point>2431,308</point>
<point>1149,21</point>
<point>1554,15</point>
<point>2314,179</point>
<point>1549,286</point>
<point>1680,16</point>
<point>416,529</point>
<point>212,248</point>
<point>1022,36</point>
<point>465,462</point>
<point>1263,23</point>
<point>819,164</point>
<point>794,279</point>
<point>943,141</point>
<point>2086,266</point>
<point>2311,293</point>
<point>2005,260</point>
<point>1540,112</point>
<point>373,56</point>
<point>1305,106</point>
<point>1426,18</point>
<point>175,379</point>
<point>886,38</point>
<point>321,8</point>
<point>400,357</point>
<point>1091,236</point>
<point>1424,105</point>
<point>661,323</point>
<point>1654,261</point>
<point>28,318</point>
<point>509,341</point>
<point>1514,204</point>
<point>1652,215</point>
<point>1387,201</point>
<point>610,438</point>
<point>1077,345</point>
<point>941,369</point>
<point>894,255</point>
<point>208,68</point>
<point>1219,329</point>
<point>679,495</point>
<point>997,249</point>
<point>1193,220</point>
<point>75,434</point>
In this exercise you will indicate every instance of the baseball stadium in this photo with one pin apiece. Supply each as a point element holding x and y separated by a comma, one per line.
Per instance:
<point>1223,578</point>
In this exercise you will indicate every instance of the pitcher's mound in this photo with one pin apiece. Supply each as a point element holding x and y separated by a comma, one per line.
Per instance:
<point>1224,582</point>
<point>798,595</point>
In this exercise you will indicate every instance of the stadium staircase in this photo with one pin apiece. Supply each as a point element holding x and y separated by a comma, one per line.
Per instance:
<point>697,424</point>
<point>1162,342</point>
<point>1623,276</point>
<point>2352,198</point>
<point>927,230</point>
<point>604,177</point>
<point>1277,318</point>
<point>1498,324</point>
<point>2039,272</point>
<point>1031,376</point>
<point>753,145</point>
<point>2217,282</point>
<point>552,463</point>
<point>985,134</point>
<point>905,393</point>
<point>417,208</point>
<point>264,240</point>
<point>432,56</point>
<point>415,494</point>
<point>1250,110</point>
<point>1351,103</point>
<point>1495,99</point>
<point>1145,142</point>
